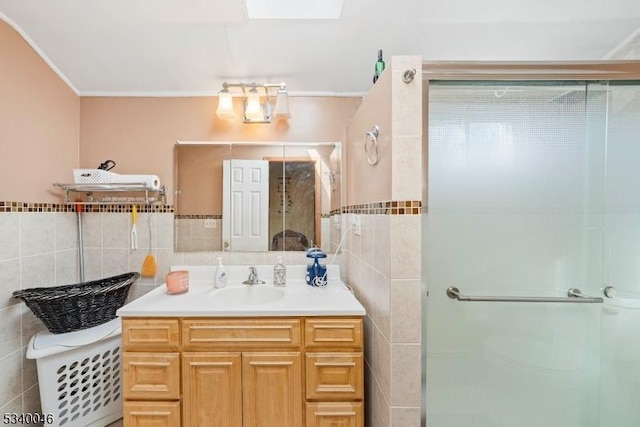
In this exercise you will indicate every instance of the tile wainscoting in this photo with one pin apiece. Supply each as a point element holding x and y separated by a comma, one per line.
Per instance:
<point>40,248</point>
<point>383,268</point>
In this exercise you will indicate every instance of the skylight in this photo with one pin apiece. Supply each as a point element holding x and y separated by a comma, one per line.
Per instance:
<point>294,9</point>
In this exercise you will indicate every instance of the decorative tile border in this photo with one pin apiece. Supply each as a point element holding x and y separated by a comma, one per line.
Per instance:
<point>401,207</point>
<point>207,216</point>
<point>124,208</point>
<point>34,207</point>
<point>8,206</point>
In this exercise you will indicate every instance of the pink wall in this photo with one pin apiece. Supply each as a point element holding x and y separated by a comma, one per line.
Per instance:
<point>139,134</point>
<point>367,183</point>
<point>39,124</point>
<point>46,130</point>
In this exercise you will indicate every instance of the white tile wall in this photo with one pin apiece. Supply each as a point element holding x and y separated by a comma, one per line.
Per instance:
<point>38,250</point>
<point>11,376</point>
<point>386,278</point>
<point>194,236</point>
<point>10,232</point>
<point>9,276</point>
<point>36,234</point>
<point>405,302</point>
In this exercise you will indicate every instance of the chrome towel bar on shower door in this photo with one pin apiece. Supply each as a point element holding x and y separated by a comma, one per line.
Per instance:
<point>573,296</point>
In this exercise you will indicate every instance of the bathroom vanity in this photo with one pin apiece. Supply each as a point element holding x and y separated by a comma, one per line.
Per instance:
<point>244,355</point>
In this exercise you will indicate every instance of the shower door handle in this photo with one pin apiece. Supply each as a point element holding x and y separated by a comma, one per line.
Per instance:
<point>573,296</point>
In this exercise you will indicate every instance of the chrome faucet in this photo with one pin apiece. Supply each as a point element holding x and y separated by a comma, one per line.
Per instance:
<point>253,277</point>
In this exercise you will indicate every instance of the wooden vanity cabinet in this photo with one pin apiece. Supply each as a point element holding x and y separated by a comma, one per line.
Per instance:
<point>243,372</point>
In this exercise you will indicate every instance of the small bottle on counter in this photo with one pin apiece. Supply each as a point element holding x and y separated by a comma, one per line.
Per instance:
<point>279,273</point>
<point>220,278</point>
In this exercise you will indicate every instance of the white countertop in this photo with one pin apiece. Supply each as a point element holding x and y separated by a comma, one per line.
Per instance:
<point>202,299</point>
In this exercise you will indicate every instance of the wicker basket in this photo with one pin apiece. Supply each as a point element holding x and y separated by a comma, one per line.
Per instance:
<point>84,305</point>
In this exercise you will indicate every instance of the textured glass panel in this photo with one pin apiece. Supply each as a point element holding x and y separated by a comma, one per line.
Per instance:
<point>620,372</point>
<point>516,193</point>
<point>519,147</point>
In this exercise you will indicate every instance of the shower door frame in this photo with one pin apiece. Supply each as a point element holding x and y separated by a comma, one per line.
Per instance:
<point>498,71</point>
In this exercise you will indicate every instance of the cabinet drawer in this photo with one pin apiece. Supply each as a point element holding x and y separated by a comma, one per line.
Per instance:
<point>335,376</point>
<point>333,333</point>
<point>150,334</point>
<point>339,414</point>
<point>240,333</point>
<point>151,414</point>
<point>151,376</point>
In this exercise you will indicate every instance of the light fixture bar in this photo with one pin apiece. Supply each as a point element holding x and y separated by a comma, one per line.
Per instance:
<point>257,101</point>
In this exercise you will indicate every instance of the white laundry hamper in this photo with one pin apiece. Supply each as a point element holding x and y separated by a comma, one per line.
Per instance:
<point>79,375</point>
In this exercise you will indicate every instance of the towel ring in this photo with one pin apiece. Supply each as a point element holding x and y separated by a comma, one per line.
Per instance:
<point>408,75</point>
<point>371,145</point>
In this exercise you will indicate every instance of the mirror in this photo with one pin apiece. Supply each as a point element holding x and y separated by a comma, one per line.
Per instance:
<point>255,196</point>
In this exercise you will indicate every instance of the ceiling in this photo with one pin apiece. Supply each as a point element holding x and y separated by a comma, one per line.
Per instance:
<point>189,47</point>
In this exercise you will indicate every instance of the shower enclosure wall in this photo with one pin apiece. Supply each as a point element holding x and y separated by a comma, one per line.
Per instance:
<point>533,188</point>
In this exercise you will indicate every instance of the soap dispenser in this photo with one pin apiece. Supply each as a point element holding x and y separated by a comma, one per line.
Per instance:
<point>279,273</point>
<point>220,278</point>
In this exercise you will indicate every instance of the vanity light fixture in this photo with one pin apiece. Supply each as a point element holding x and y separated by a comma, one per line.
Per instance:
<point>257,101</point>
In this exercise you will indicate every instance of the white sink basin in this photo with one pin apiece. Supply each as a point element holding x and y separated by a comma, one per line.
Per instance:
<point>248,295</point>
<point>239,300</point>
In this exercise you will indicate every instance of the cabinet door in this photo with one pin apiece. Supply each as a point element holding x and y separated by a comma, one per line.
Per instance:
<point>212,390</point>
<point>151,376</point>
<point>345,414</point>
<point>272,389</point>
<point>151,414</point>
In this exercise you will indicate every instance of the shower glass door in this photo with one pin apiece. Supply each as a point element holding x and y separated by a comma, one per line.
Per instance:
<point>620,342</point>
<point>516,208</point>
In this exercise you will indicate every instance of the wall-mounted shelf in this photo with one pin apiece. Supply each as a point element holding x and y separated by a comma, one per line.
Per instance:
<point>103,194</point>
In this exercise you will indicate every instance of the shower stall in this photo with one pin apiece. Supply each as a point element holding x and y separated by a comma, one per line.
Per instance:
<point>531,245</point>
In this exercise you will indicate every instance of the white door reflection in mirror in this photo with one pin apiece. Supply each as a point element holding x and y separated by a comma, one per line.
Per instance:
<point>245,209</point>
